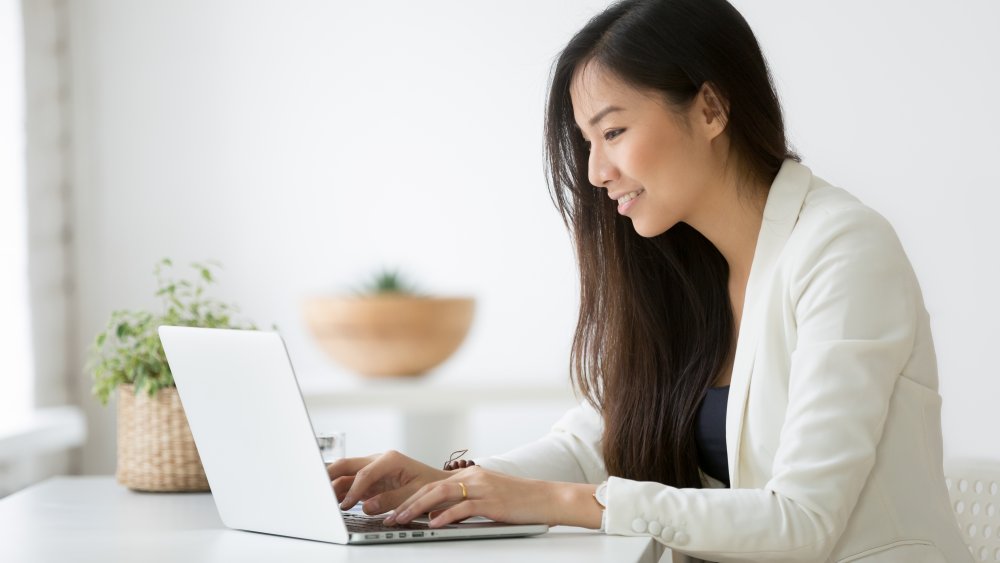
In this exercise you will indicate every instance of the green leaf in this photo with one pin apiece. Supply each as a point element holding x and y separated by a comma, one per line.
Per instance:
<point>387,281</point>
<point>129,349</point>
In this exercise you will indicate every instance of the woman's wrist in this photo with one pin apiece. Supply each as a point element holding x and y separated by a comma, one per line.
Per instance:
<point>574,505</point>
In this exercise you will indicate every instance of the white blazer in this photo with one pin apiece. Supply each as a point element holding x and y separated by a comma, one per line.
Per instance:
<point>833,427</point>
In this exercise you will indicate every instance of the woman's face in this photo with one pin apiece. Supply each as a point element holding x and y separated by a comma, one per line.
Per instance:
<point>661,167</point>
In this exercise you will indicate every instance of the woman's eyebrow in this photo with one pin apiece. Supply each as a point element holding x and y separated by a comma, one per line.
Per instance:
<point>600,115</point>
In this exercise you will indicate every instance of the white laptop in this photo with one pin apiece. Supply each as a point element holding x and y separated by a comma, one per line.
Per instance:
<point>256,442</point>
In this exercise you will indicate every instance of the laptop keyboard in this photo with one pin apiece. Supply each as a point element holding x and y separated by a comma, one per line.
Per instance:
<point>363,523</point>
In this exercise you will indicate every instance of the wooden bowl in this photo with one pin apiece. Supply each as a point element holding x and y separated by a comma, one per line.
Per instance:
<point>391,335</point>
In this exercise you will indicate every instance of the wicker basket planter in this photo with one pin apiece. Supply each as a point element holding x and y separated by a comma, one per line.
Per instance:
<point>156,451</point>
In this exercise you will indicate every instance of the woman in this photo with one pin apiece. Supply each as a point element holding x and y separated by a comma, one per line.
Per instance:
<point>752,342</point>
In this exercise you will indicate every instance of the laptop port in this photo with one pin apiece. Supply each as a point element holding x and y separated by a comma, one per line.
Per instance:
<point>388,536</point>
<point>402,535</point>
<point>416,535</point>
<point>371,536</point>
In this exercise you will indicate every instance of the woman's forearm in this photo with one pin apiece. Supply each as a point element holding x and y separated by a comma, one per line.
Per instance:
<point>573,504</point>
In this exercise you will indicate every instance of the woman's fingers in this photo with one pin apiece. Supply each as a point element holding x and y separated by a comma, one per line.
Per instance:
<point>382,481</point>
<point>442,493</point>
<point>456,513</point>
<point>426,499</point>
<point>341,485</point>
<point>346,466</point>
<point>389,464</point>
<point>388,500</point>
<point>392,497</point>
<point>363,480</point>
<point>477,492</point>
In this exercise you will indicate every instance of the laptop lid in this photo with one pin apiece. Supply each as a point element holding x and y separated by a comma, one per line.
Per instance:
<point>256,441</point>
<point>253,432</point>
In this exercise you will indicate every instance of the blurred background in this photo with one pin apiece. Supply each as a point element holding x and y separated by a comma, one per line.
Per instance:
<point>306,144</point>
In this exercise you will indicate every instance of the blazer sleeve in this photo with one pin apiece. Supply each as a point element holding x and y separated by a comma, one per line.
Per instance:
<point>570,452</point>
<point>855,301</point>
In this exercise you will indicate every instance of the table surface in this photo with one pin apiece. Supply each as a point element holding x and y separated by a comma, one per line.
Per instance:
<point>94,519</point>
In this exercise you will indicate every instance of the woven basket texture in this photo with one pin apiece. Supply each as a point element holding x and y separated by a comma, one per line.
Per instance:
<point>156,451</point>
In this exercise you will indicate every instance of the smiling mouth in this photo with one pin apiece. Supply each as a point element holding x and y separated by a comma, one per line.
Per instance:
<point>630,196</point>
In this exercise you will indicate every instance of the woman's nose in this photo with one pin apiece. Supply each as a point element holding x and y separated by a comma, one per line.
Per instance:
<point>600,170</point>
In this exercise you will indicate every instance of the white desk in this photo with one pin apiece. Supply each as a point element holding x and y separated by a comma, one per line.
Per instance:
<point>93,519</point>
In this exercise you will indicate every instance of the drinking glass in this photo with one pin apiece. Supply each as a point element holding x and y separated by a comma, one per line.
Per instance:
<point>332,445</point>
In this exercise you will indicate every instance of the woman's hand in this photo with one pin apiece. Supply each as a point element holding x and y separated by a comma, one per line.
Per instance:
<point>381,481</point>
<point>480,492</point>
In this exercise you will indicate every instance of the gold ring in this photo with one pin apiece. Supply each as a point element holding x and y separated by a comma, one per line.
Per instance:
<point>465,493</point>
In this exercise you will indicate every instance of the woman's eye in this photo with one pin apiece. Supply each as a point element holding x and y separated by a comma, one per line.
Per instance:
<point>612,134</point>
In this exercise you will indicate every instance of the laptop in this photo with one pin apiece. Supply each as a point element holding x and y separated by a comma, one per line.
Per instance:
<point>256,442</point>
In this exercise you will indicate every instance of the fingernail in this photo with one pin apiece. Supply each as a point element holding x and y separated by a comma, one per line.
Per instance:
<point>390,519</point>
<point>372,507</point>
<point>404,515</point>
<point>344,505</point>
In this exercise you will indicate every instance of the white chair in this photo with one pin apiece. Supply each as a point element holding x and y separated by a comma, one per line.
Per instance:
<point>974,487</point>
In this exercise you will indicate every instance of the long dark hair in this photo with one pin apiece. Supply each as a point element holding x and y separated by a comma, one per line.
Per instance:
<point>656,323</point>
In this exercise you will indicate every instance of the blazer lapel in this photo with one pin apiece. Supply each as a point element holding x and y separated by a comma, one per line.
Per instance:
<point>784,201</point>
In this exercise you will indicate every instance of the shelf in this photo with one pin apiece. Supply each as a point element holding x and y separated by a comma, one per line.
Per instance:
<point>415,395</point>
<point>433,415</point>
<point>44,430</point>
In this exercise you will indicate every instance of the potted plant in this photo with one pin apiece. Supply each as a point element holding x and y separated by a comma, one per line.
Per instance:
<point>156,451</point>
<point>387,328</point>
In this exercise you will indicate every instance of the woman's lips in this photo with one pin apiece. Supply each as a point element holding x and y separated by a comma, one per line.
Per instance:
<point>623,207</point>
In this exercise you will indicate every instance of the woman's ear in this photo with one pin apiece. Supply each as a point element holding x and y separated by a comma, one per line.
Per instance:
<point>713,110</point>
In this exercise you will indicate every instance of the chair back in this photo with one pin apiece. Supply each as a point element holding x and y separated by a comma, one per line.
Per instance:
<point>974,486</point>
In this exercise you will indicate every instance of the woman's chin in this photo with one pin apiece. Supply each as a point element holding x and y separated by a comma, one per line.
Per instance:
<point>647,229</point>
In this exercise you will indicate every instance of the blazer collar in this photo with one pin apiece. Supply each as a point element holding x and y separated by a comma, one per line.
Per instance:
<point>781,212</point>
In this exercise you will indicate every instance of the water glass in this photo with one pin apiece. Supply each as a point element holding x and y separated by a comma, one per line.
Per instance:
<point>332,445</point>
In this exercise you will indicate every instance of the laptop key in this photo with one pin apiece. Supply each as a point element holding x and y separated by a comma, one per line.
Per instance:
<point>364,523</point>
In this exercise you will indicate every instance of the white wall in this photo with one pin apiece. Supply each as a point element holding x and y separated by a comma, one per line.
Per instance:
<point>44,193</point>
<point>15,344</point>
<point>896,101</point>
<point>304,144</point>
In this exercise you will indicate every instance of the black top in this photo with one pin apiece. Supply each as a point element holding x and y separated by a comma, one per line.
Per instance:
<point>710,434</point>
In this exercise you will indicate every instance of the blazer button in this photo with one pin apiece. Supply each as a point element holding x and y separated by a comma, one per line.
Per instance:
<point>638,525</point>
<point>667,534</point>
<point>655,528</point>
<point>681,538</point>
